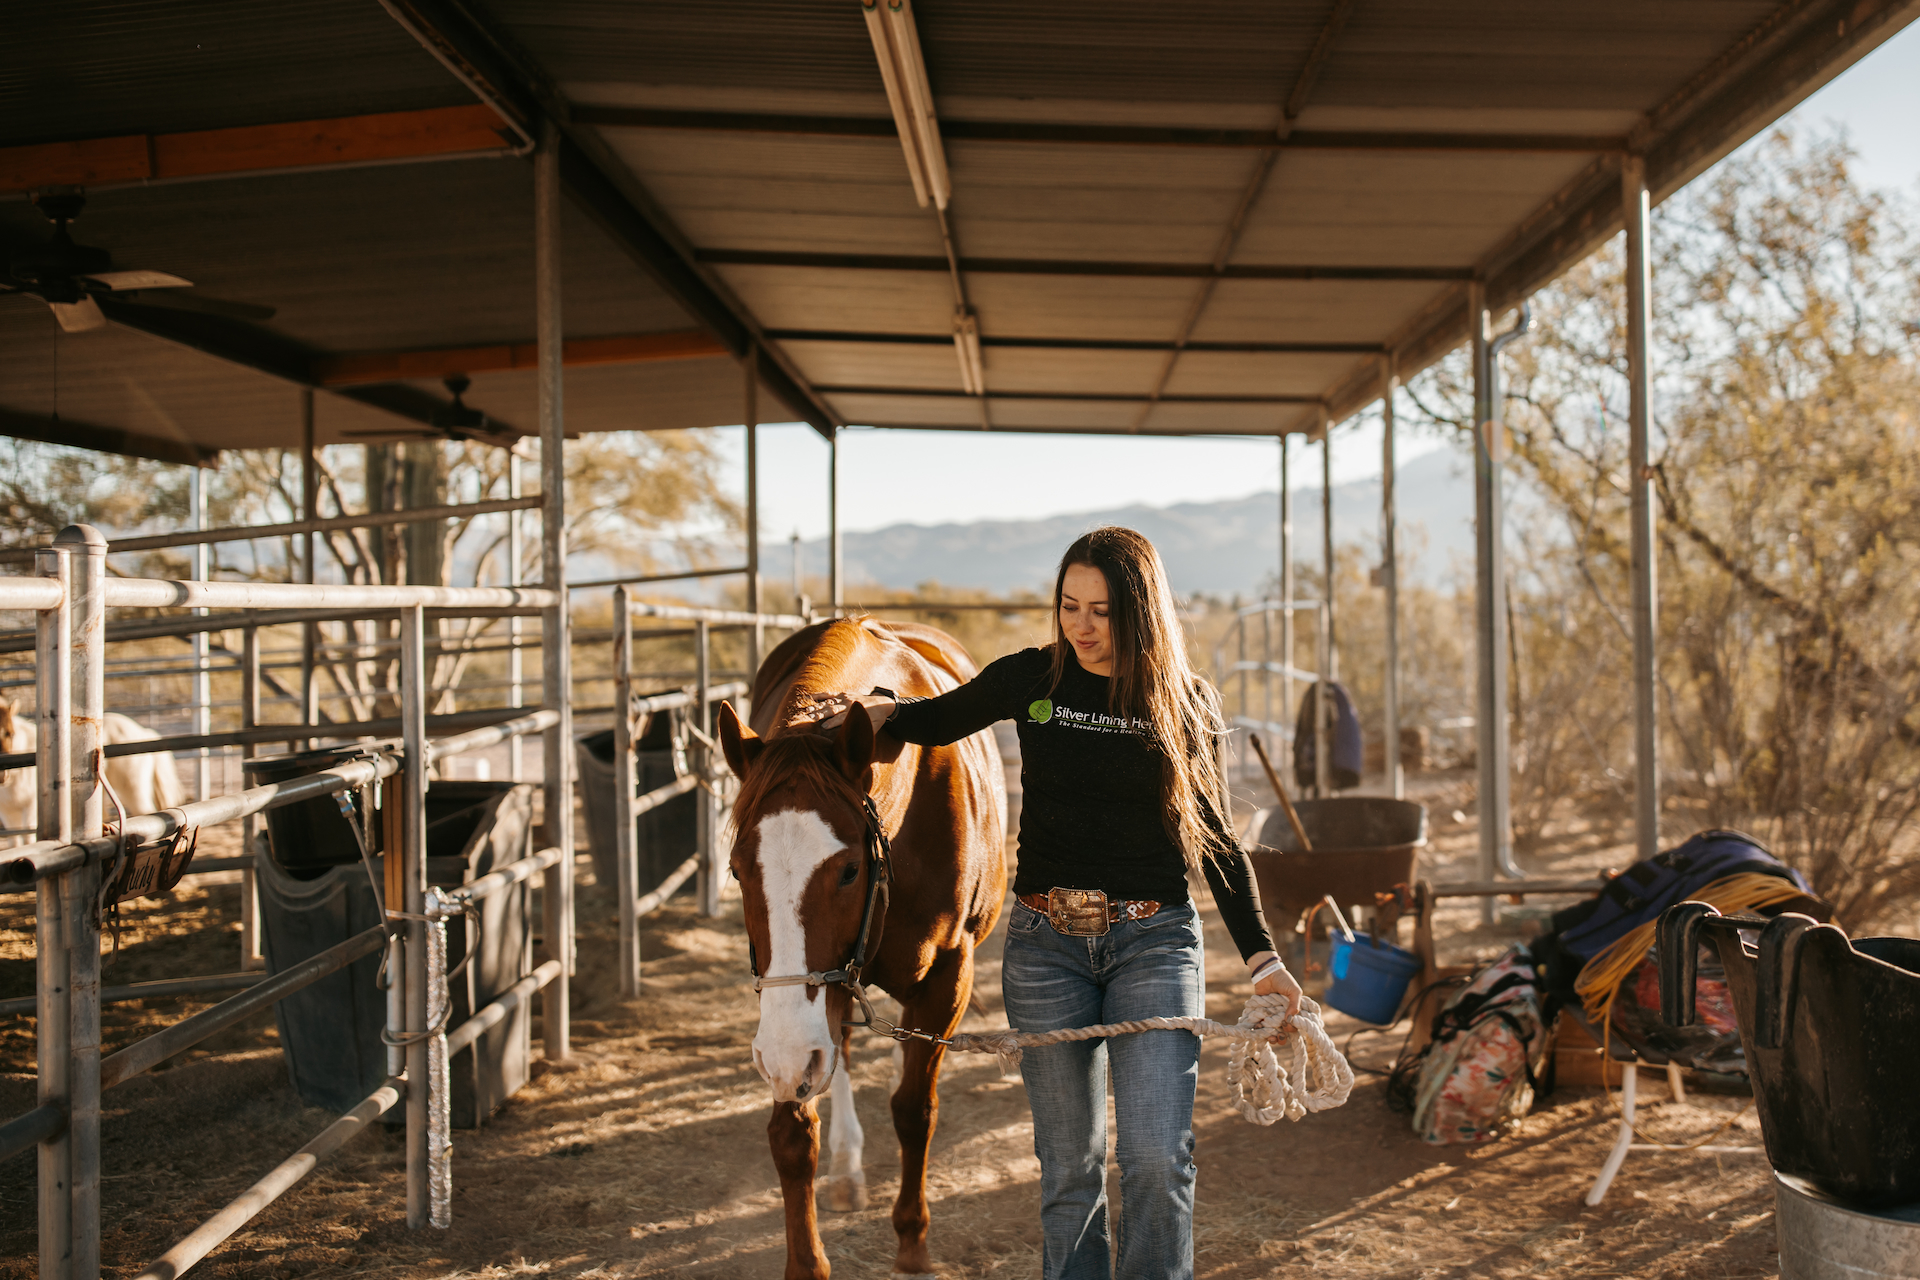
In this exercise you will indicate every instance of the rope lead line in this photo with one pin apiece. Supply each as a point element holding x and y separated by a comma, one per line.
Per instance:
<point>1264,1089</point>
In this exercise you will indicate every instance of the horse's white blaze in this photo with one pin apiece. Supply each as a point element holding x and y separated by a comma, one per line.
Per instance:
<point>794,844</point>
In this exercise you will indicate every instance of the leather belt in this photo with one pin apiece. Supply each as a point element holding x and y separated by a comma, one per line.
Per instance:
<point>1086,912</point>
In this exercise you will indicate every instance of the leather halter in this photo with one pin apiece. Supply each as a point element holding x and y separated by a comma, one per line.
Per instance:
<point>879,858</point>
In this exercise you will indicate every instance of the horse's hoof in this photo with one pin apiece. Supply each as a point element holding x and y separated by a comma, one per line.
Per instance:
<point>847,1193</point>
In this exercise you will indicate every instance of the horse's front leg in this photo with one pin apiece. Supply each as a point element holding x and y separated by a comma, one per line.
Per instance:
<point>793,1133</point>
<point>935,1007</point>
<point>846,1175</point>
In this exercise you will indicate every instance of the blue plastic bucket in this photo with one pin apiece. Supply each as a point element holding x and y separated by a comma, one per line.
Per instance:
<point>1369,979</point>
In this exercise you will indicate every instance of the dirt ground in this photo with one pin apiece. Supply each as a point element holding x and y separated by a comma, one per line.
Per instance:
<point>646,1154</point>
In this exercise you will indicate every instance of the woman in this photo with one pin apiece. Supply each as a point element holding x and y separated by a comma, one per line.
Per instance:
<point>1123,801</point>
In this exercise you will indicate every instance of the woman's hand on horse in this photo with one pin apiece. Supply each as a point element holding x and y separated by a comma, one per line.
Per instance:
<point>830,710</point>
<point>1277,983</point>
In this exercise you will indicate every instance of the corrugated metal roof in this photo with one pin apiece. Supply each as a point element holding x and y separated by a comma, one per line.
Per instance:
<point>99,68</point>
<point>440,255</point>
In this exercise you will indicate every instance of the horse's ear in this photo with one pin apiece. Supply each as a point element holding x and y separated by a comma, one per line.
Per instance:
<point>741,745</point>
<point>853,748</point>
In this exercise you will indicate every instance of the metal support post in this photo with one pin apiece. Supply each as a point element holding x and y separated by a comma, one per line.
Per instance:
<point>757,633</point>
<point>1329,619</point>
<point>626,854</point>
<point>1390,583</point>
<point>516,667</point>
<point>556,666</point>
<point>1287,655</point>
<point>52,962</point>
<point>1490,613</point>
<point>202,680</point>
<point>835,598</point>
<point>1322,704</point>
<point>1240,653</point>
<point>87,622</point>
<point>309,570</point>
<point>413,880</point>
<point>251,956</point>
<point>708,887</point>
<point>1646,596</point>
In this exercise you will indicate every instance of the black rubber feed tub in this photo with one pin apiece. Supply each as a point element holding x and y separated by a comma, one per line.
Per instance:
<point>1831,1029</point>
<point>1362,845</point>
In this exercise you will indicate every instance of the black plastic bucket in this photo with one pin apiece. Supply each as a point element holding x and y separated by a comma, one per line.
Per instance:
<point>664,836</point>
<point>310,837</point>
<point>1831,1030</point>
<point>330,1030</point>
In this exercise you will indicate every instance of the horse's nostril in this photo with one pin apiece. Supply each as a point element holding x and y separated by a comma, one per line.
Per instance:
<point>800,1091</point>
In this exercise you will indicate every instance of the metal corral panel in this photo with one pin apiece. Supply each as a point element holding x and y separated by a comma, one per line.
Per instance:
<point>100,68</point>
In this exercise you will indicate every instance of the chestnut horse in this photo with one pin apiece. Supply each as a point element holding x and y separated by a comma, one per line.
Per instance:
<point>822,892</point>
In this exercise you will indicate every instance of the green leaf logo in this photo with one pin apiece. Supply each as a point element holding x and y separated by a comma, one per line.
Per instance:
<point>1041,711</point>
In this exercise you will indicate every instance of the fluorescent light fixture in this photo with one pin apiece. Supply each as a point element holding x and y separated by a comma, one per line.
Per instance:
<point>966,341</point>
<point>896,44</point>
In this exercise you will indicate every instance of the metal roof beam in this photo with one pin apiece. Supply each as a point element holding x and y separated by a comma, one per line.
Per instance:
<point>84,435</point>
<point>1081,344</point>
<point>1028,131</point>
<point>266,352</point>
<point>399,366</point>
<point>1077,266</point>
<point>1093,397</point>
<point>140,159</point>
<point>505,76</point>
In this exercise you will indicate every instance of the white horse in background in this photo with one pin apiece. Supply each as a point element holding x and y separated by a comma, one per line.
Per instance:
<point>144,783</point>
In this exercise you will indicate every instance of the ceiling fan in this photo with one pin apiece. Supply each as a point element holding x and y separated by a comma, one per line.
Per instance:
<point>457,421</point>
<point>68,276</point>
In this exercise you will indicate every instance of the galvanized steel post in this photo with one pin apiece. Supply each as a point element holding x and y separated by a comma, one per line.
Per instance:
<point>1645,569</point>
<point>250,953</point>
<point>834,585</point>
<point>202,680</point>
<point>1490,608</point>
<point>87,622</point>
<point>1390,583</point>
<point>309,566</point>
<point>757,633</point>
<point>413,880</point>
<point>1329,620</point>
<point>556,659</point>
<point>1286,580</point>
<point>516,667</point>
<point>52,963</point>
<point>707,820</point>
<point>626,854</point>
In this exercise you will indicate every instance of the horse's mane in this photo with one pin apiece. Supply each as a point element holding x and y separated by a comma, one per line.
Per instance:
<point>823,670</point>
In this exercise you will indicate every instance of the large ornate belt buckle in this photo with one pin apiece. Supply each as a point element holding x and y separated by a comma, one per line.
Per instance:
<point>1079,913</point>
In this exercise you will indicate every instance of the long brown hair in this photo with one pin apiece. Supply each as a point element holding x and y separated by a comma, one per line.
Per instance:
<point>1153,684</point>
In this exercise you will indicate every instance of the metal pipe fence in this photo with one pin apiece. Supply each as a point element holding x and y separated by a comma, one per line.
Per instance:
<point>77,854</point>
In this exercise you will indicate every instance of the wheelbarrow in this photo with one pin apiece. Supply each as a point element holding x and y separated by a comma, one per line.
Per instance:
<point>1362,846</point>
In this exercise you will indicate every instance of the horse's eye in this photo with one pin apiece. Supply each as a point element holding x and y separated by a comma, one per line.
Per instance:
<point>849,873</point>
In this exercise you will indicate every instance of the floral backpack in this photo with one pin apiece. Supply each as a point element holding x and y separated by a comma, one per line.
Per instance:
<point>1476,1076</point>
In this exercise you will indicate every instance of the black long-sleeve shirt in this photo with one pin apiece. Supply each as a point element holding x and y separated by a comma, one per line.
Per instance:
<point>1091,817</point>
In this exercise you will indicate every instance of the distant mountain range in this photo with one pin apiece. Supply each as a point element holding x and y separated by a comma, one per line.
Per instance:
<point>1216,547</point>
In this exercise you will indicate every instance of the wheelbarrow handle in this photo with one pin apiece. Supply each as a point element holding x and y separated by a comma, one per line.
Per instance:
<point>1299,832</point>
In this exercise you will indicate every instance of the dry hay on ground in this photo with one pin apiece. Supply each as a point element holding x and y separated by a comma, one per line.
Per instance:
<point>647,1155</point>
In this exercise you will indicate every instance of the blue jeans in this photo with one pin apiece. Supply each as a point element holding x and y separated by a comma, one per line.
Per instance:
<point>1141,969</point>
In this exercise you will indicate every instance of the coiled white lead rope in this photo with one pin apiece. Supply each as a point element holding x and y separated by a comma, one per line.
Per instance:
<point>1264,1088</point>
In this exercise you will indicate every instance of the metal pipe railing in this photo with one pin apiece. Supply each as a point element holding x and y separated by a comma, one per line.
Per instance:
<point>144,1055</point>
<point>152,990</point>
<point>243,1210</point>
<point>67,864</point>
<point>325,524</point>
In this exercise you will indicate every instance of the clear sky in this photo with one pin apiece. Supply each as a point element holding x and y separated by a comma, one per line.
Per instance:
<point>934,477</point>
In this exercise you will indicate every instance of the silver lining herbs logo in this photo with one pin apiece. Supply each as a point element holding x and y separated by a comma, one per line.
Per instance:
<point>1040,710</point>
